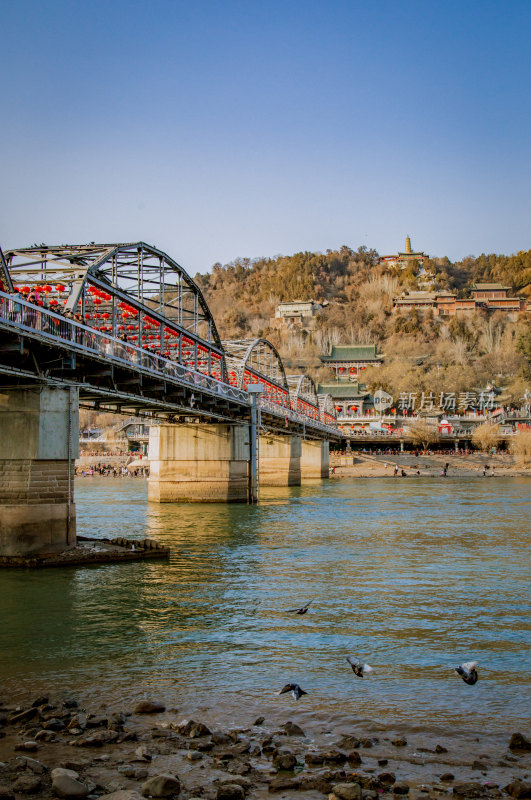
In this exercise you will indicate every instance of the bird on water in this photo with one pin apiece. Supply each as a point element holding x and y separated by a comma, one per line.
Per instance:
<point>301,610</point>
<point>358,667</point>
<point>295,690</point>
<point>467,671</point>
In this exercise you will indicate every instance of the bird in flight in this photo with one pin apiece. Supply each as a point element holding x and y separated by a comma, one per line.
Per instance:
<point>467,671</point>
<point>301,610</point>
<point>358,667</point>
<point>295,690</point>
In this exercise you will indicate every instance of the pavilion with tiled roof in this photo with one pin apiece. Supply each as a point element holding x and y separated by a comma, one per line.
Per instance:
<point>347,360</point>
<point>351,398</point>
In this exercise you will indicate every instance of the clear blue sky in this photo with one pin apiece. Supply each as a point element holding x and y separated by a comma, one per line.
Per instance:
<point>215,129</point>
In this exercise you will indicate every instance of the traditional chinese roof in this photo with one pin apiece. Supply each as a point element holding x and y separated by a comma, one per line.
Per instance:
<point>419,296</point>
<point>352,352</point>
<point>296,303</point>
<point>348,390</point>
<point>490,387</point>
<point>489,287</point>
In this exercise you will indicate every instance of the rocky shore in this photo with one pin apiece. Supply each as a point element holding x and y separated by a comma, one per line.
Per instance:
<point>51,748</point>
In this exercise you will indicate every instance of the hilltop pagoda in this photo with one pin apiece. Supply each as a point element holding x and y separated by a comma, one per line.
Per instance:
<point>405,259</point>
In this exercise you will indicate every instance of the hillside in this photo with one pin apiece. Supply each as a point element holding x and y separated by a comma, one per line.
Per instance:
<point>420,351</point>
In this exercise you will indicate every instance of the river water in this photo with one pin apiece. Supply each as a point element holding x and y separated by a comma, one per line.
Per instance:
<point>412,575</point>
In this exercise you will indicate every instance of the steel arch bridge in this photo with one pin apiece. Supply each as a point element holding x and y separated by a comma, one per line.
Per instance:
<point>130,328</point>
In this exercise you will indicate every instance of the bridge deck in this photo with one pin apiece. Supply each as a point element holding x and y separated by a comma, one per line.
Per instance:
<point>38,345</point>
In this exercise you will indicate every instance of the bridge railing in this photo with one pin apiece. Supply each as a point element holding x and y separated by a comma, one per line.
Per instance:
<point>295,416</point>
<point>24,317</point>
<point>21,316</point>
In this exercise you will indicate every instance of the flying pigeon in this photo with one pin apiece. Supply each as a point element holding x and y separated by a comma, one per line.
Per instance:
<point>358,667</point>
<point>295,690</point>
<point>301,610</point>
<point>467,672</point>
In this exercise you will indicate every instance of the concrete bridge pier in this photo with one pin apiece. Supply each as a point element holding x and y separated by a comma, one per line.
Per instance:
<point>199,463</point>
<point>39,440</point>
<point>315,460</point>
<point>279,461</point>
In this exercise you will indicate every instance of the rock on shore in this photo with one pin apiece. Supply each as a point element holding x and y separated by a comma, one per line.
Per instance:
<point>52,749</point>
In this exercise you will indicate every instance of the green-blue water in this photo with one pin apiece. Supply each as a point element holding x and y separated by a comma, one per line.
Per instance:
<point>414,576</point>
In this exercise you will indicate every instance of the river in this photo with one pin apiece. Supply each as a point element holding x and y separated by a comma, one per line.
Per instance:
<point>412,575</point>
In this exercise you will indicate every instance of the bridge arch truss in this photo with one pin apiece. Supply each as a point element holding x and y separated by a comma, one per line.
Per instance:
<point>304,395</point>
<point>327,408</point>
<point>132,292</point>
<point>257,361</point>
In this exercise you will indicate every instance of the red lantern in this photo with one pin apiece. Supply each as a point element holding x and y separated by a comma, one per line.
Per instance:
<point>54,303</point>
<point>25,289</point>
<point>60,287</point>
<point>106,315</point>
<point>130,328</point>
<point>87,316</point>
<point>38,289</point>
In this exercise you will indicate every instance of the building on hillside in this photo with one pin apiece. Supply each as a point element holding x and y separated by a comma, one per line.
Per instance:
<point>485,297</point>
<point>421,301</point>
<point>494,296</point>
<point>298,312</point>
<point>347,360</point>
<point>406,258</point>
<point>489,291</point>
<point>351,398</point>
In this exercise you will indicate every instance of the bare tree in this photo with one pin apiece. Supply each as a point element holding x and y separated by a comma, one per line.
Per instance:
<point>491,335</point>
<point>422,433</point>
<point>521,447</point>
<point>486,436</point>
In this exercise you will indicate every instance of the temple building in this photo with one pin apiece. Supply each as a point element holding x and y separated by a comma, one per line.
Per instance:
<point>347,360</point>
<point>488,297</point>
<point>351,398</point>
<point>404,259</point>
<point>299,312</point>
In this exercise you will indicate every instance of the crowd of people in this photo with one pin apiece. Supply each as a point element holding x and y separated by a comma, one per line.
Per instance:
<point>111,471</point>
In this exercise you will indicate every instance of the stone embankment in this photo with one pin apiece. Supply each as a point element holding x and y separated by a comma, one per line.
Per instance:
<point>55,749</point>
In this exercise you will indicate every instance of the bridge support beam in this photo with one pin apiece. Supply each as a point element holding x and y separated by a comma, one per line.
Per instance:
<point>198,463</point>
<point>279,461</point>
<point>315,460</point>
<point>39,433</point>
